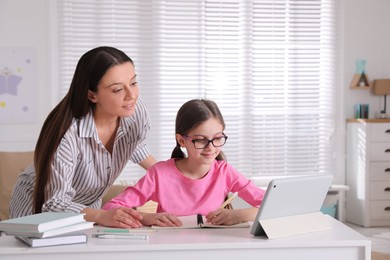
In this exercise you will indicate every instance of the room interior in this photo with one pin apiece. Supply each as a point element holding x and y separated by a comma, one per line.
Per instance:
<point>364,36</point>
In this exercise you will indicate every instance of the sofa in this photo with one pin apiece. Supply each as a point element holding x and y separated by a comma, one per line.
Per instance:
<point>13,163</point>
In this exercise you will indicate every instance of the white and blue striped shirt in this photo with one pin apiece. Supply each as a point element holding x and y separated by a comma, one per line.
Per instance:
<point>82,169</point>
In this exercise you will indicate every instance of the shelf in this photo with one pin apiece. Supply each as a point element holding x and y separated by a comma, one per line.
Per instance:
<point>357,78</point>
<point>368,120</point>
<point>357,87</point>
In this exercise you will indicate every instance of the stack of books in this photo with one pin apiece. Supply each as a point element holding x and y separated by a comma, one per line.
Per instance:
<point>47,228</point>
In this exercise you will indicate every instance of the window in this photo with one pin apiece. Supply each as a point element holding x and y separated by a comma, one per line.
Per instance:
<point>271,65</point>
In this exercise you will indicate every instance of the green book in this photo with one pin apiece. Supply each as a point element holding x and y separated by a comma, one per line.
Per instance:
<point>53,232</point>
<point>41,222</point>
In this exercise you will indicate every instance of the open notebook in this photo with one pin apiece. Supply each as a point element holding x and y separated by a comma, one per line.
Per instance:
<point>192,222</point>
<point>292,206</point>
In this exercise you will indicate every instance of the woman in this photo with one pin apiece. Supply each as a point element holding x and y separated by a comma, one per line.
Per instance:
<point>86,141</point>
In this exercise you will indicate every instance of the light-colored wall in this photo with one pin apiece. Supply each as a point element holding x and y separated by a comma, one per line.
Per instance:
<point>24,23</point>
<point>365,35</point>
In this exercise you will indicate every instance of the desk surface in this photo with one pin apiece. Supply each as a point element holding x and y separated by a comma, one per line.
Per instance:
<point>341,242</point>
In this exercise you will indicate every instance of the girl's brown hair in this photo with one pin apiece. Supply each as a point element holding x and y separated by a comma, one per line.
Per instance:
<point>190,115</point>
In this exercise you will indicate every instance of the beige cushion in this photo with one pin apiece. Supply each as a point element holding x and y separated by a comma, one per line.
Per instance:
<point>11,165</point>
<point>148,207</point>
<point>379,256</point>
<point>112,192</point>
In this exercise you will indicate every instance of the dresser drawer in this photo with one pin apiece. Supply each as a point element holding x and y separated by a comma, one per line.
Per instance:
<point>379,152</point>
<point>380,132</point>
<point>380,210</point>
<point>380,190</point>
<point>379,171</point>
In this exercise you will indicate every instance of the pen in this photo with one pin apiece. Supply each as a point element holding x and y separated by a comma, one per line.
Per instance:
<point>230,199</point>
<point>122,236</point>
<point>124,230</point>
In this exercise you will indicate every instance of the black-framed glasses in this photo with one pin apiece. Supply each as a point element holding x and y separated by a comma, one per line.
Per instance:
<point>202,143</point>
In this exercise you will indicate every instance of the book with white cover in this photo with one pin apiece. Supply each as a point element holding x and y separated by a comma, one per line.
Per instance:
<point>67,239</point>
<point>41,222</point>
<point>54,232</point>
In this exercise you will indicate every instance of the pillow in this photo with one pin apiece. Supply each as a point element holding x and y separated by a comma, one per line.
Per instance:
<point>148,207</point>
<point>112,192</point>
<point>11,165</point>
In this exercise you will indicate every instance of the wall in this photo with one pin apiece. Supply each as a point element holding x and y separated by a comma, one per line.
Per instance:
<point>24,23</point>
<point>365,36</point>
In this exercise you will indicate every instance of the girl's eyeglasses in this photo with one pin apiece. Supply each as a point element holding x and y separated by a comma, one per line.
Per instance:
<point>202,143</point>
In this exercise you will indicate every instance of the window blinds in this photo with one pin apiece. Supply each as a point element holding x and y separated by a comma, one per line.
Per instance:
<point>271,65</point>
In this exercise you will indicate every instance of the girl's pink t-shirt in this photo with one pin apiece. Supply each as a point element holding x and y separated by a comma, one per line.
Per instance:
<point>176,194</point>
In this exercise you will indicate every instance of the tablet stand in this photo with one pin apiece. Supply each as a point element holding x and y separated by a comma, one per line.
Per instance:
<point>294,225</point>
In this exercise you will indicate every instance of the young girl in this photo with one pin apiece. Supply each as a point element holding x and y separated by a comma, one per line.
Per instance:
<point>198,183</point>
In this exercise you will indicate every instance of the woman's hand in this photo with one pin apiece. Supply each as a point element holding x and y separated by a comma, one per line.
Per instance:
<point>120,217</point>
<point>160,219</point>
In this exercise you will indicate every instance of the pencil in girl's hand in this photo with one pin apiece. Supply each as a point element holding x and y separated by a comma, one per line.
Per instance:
<point>230,199</point>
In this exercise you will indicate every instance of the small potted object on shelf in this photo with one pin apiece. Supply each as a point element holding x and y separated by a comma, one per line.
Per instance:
<point>360,78</point>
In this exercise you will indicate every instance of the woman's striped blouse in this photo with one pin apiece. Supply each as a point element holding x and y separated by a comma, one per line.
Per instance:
<point>82,169</point>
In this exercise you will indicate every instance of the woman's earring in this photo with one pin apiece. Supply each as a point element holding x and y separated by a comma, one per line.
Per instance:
<point>184,150</point>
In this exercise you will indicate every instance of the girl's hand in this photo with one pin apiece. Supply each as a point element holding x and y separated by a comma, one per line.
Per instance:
<point>231,216</point>
<point>120,217</point>
<point>160,219</point>
<point>223,217</point>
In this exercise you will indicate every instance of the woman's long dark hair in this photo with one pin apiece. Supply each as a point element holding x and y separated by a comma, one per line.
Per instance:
<point>190,115</point>
<point>90,69</point>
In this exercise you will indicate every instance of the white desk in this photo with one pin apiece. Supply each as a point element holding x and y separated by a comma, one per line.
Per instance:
<point>341,242</point>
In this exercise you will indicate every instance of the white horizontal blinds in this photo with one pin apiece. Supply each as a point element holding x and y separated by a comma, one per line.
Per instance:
<point>270,66</point>
<point>85,24</point>
<point>226,67</point>
<point>178,69</point>
<point>293,84</point>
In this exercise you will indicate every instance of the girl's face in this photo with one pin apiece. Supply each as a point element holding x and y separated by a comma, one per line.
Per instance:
<point>208,130</point>
<point>117,92</point>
